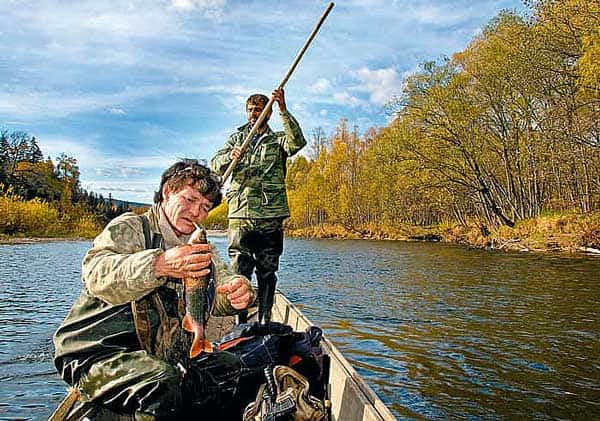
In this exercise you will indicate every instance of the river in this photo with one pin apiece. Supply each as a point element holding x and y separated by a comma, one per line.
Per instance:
<point>438,331</point>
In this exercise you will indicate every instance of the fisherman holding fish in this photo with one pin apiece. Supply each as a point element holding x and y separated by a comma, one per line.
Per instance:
<point>257,197</point>
<point>125,343</point>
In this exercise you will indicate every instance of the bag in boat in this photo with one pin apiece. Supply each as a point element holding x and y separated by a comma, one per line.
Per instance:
<point>308,359</point>
<point>285,396</point>
<point>256,347</point>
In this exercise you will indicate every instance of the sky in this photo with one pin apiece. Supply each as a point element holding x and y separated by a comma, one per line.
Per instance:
<point>127,87</point>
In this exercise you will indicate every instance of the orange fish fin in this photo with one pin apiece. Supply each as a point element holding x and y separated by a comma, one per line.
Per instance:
<point>187,324</point>
<point>207,346</point>
<point>199,343</point>
<point>196,348</point>
<point>199,346</point>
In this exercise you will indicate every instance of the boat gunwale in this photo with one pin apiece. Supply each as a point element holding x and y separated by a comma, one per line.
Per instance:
<point>366,394</point>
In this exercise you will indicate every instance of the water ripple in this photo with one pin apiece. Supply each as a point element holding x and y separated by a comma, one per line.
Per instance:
<point>438,331</point>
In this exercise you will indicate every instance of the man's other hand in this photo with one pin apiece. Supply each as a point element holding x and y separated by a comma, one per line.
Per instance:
<point>238,292</point>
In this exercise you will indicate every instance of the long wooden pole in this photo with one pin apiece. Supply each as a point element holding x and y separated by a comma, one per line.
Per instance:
<point>269,105</point>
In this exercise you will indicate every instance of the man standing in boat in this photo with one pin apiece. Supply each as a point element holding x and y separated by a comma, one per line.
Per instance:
<point>122,345</point>
<point>257,196</point>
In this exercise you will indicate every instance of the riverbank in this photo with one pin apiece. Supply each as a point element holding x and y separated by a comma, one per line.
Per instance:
<point>4,239</point>
<point>565,233</point>
<point>562,233</point>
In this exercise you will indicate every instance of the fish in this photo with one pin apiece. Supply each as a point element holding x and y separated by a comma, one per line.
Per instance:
<point>196,306</point>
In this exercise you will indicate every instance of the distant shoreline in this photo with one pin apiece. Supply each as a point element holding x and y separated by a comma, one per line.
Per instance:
<point>544,245</point>
<point>35,240</point>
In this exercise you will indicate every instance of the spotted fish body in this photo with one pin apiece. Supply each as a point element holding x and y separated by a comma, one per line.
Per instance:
<point>196,307</point>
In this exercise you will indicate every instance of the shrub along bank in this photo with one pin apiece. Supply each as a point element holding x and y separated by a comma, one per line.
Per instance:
<point>568,232</point>
<point>38,218</point>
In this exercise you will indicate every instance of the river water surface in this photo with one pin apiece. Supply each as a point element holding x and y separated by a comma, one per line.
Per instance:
<point>438,331</point>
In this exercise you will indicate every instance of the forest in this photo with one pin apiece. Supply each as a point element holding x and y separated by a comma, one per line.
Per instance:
<point>39,197</point>
<point>504,132</point>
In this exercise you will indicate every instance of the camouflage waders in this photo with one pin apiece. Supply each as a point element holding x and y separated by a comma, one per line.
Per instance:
<point>255,246</point>
<point>257,202</point>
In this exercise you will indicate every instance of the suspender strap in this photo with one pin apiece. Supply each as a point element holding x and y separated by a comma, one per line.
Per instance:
<point>152,240</point>
<point>141,317</point>
<point>147,234</point>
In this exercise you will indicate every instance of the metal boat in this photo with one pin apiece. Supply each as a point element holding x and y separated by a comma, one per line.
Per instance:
<point>351,398</point>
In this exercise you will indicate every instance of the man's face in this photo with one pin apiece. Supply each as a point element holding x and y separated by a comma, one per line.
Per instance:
<point>253,112</point>
<point>185,207</point>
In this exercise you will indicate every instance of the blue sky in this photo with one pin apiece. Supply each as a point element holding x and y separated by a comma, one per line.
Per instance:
<point>129,86</point>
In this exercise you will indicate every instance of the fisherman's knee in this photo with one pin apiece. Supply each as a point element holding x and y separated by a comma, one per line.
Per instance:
<point>136,382</point>
<point>161,397</point>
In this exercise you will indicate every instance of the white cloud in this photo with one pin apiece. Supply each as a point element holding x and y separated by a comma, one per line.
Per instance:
<point>198,4</point>
<point>36,104</point>
<point>432,14</point>
<point>296,107</point>
<point>381,84</point>
<point>125,190</point>
<point>183,5</point>
<point>213,9</point>
<point>323,113</point>
<point>55,104</point>
<point>89,155</point>
<point>321,86</point>
<point>117,111</point>
<point>103,172</point>
<point>82,150</point>
<point>344,98</point>
<point>116,188</point>
<point>130,171</point>
<point>83,21</point>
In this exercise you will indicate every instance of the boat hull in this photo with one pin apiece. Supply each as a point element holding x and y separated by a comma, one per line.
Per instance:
<point>351,398</point>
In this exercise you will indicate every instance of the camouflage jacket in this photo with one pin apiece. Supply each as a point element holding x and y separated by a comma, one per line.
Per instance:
<point>257,187</point>
<point>118,270</point>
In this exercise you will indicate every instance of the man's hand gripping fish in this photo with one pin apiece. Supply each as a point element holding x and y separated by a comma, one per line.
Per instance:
<point>196,305</point>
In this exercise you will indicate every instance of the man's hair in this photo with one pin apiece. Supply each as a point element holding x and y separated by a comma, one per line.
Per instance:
<point>257,99</point>
<point>188,172</point>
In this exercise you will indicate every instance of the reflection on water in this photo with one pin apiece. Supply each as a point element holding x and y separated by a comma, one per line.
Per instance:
<point>439,332</point>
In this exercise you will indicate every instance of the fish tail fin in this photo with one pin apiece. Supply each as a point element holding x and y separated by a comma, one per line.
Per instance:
<point>199,343</point>
<point>207,345</point>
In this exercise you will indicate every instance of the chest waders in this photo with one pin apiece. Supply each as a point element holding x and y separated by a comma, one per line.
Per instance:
<point>166,343</point>
<point>169,342</point>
